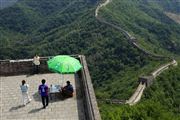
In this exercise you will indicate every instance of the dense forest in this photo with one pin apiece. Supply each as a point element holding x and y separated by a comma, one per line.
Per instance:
<point>54,27</point>
<point>160,102</point>
<point>147,22</point>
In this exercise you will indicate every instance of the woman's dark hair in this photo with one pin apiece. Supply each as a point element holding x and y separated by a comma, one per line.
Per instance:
<point>43,81</point>
<point>23,82</point>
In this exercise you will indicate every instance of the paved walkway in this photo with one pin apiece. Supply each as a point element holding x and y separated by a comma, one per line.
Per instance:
<point>58,109</point>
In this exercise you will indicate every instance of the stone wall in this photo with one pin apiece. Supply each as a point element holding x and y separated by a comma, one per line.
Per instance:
<point>25,67</point>
<point>21,67</point>
<point>92,111</point>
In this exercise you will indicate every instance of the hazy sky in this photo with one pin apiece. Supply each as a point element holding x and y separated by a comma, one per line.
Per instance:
<point>6,3</point>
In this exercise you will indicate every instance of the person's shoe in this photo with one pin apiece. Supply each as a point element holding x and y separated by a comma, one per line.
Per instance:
<point>29,101</point>
<point>44,107</point>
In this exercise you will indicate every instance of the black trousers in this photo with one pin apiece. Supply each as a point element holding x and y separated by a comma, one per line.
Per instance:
<point>36,69</point>
<point>45,100</point>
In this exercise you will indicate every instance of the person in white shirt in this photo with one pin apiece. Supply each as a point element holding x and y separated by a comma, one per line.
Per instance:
<point>36,62</point>
<point>24,90</point>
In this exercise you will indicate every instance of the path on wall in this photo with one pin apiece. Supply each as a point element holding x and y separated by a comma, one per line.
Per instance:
<point>136,97</point>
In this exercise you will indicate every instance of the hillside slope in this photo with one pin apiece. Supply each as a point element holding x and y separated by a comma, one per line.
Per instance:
<point>161,101</point>
<point>147,22</point>
<point>69,28</point>
<point>54,27</point>
<point>142,110</point>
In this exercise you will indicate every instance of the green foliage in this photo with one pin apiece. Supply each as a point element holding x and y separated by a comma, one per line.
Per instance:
<point>54,27</point>
<point>125,82</point>
<point>160,101</point>
<point>149,110</point>
<point>149,24</point>
<point>70,28</point>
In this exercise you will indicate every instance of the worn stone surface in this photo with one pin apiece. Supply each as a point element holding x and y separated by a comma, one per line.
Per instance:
<point>58,109</point>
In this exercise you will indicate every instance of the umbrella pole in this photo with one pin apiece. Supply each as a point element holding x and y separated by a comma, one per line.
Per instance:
<point>62,80</point>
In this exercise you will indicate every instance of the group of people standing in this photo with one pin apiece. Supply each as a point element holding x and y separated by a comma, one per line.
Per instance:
<point>66,91</point>
<point>43,91</point>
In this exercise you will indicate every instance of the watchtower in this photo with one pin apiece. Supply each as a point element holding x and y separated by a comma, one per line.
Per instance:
<point>148,80</point>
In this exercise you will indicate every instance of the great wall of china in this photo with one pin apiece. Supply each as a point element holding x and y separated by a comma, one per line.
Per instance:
<point>144,81</point>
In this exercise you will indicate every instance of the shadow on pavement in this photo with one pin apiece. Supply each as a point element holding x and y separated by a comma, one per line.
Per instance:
<point>35,110</point>
<point>52,98</point>
<point>16,108</point>
<point>56,97</point>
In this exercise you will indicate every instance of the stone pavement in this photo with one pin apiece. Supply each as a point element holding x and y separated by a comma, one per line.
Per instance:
<point>58,109</point>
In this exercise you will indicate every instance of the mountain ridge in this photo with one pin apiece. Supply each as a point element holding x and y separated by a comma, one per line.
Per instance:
<point>114,64</point>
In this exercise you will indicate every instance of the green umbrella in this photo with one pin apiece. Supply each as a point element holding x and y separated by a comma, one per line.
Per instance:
<point>64,64</point>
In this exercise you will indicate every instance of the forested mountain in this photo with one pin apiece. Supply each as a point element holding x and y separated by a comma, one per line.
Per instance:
<point>51,27</point>
<point>155,32</point>
<point>147,21</point>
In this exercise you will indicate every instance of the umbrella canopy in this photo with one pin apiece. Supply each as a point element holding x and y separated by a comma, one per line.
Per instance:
<point>64,64</point>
